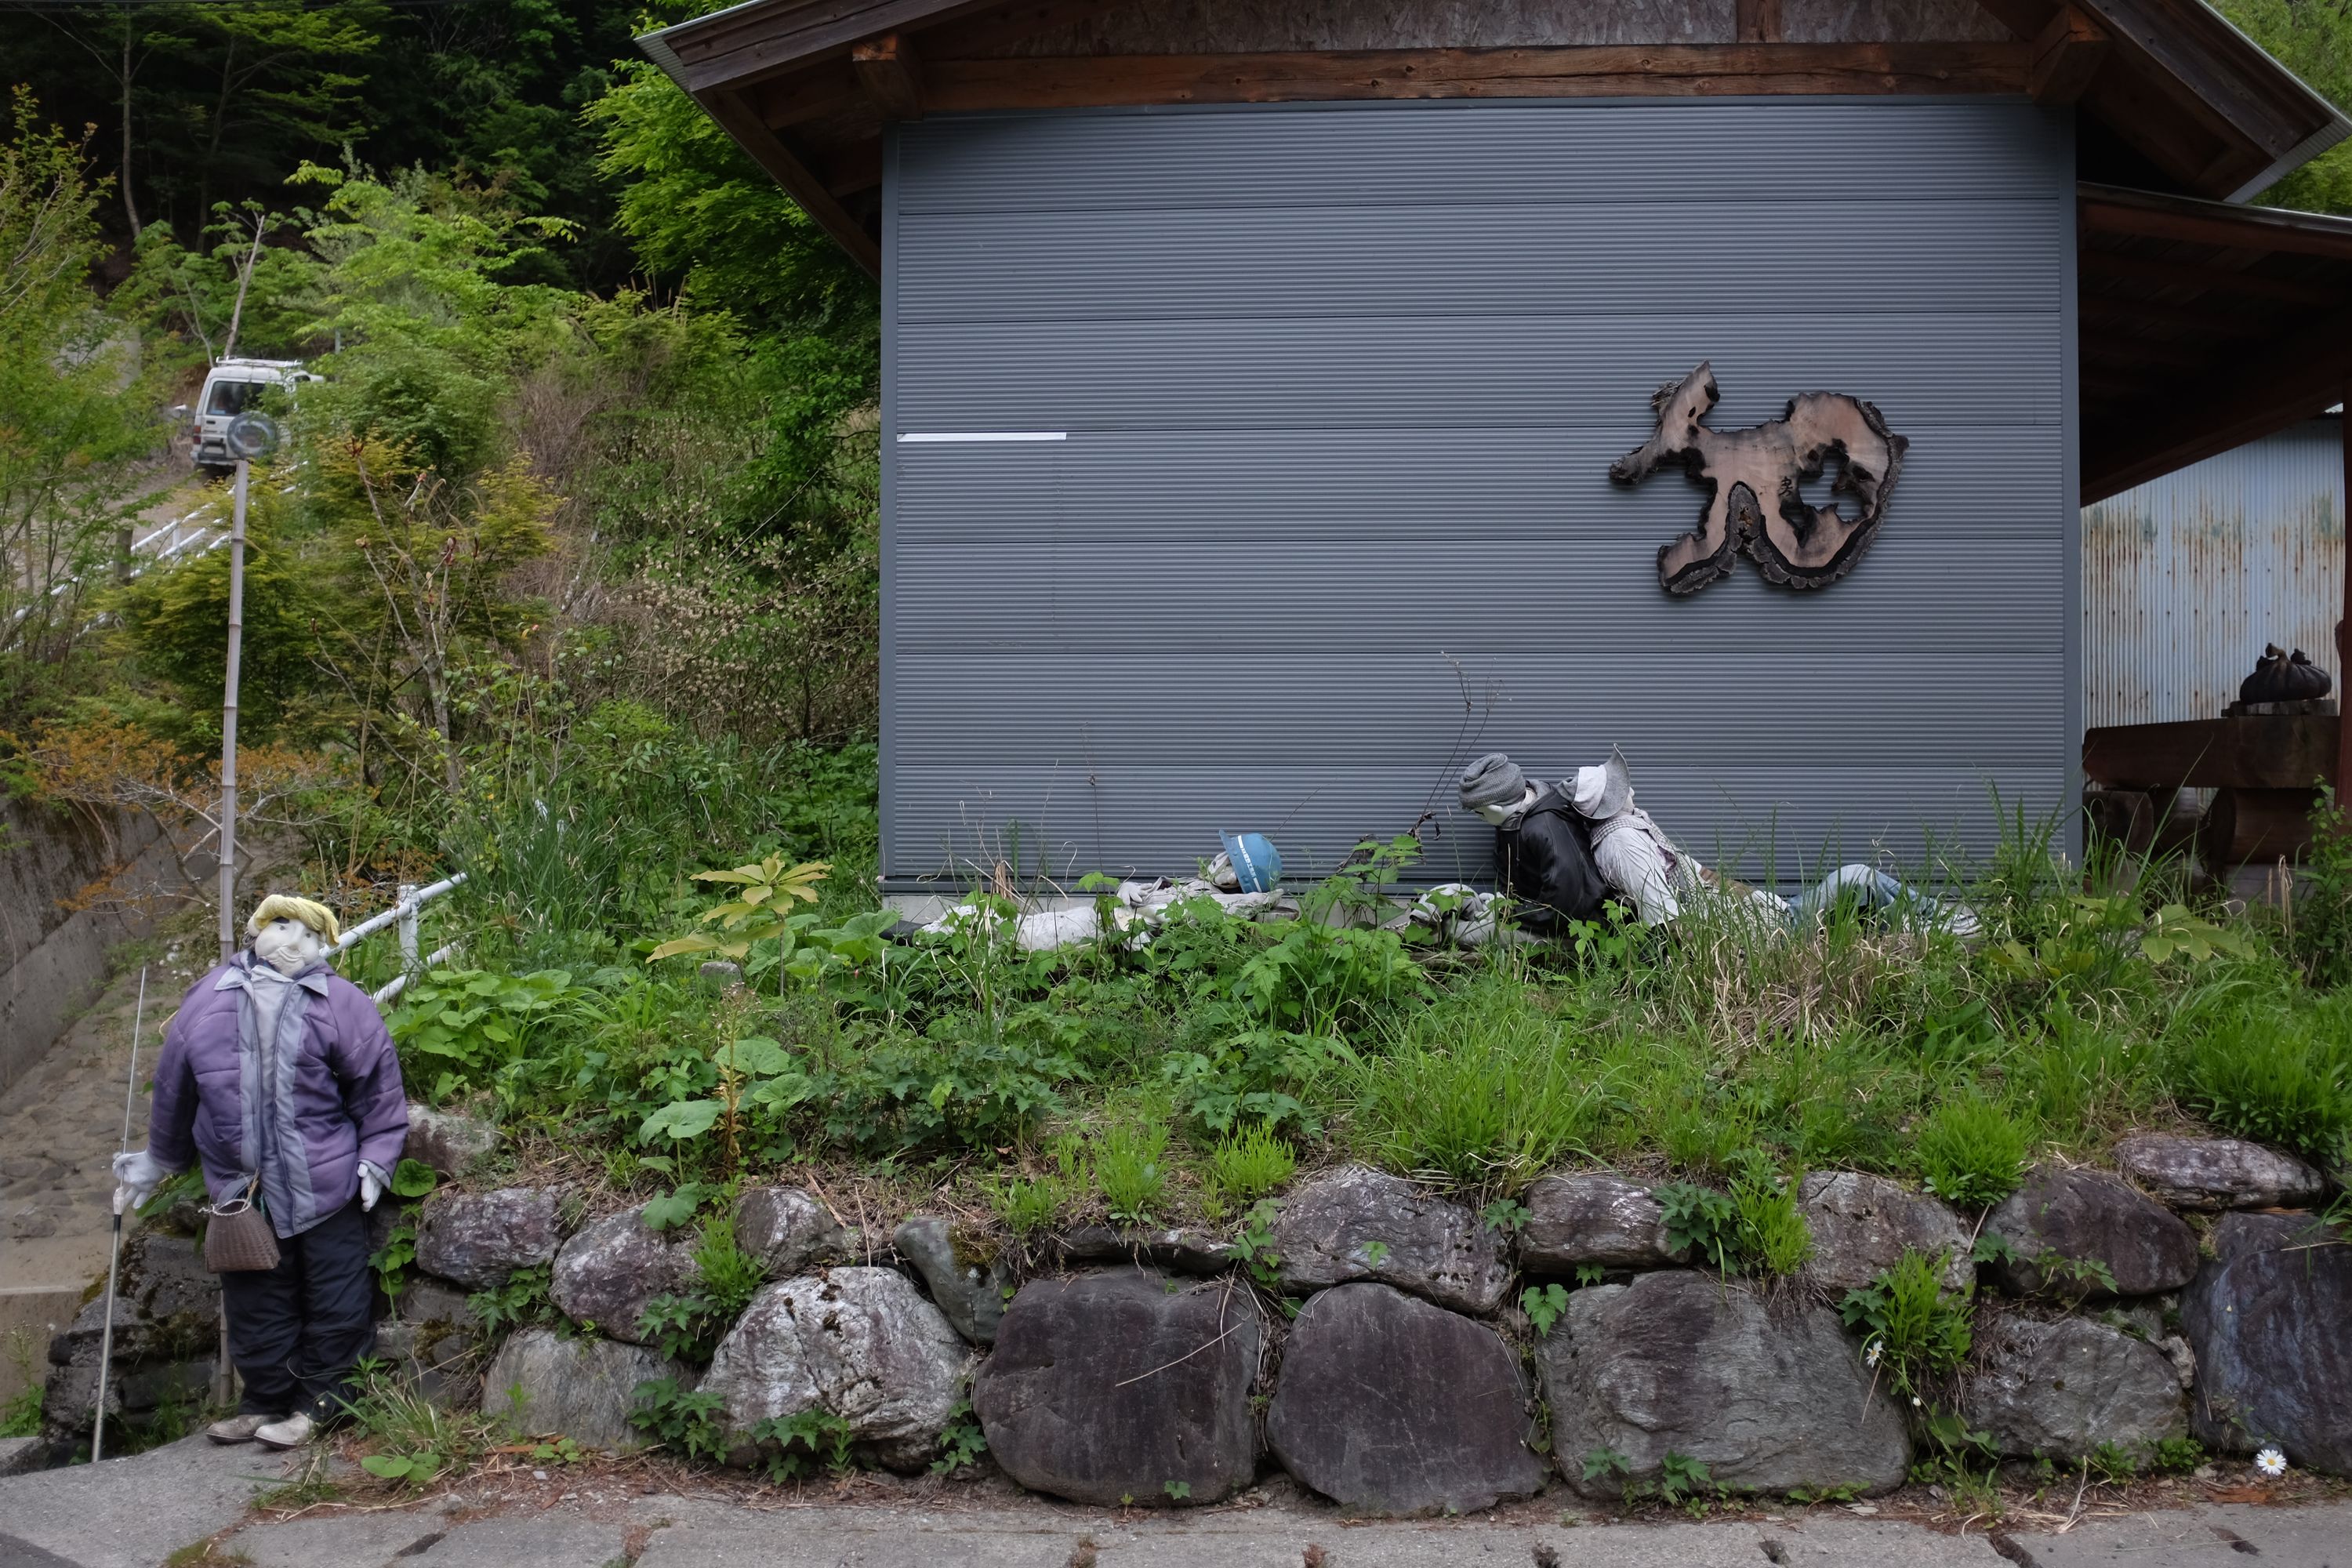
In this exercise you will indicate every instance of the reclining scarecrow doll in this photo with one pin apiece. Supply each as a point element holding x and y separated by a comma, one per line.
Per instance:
<point>1565,850</point>
<point>278,1077</point>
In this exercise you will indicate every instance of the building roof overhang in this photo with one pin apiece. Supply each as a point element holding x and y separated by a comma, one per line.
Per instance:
<point>2203,323</point>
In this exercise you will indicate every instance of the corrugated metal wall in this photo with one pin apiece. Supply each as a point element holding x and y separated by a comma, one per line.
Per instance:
<point>1339,387</point>
<point>2185,578</point>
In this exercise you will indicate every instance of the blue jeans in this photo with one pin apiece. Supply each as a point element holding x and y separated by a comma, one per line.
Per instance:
<point>1863,887</point>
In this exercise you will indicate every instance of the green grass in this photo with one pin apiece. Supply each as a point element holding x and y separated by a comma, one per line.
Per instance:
<point>1971,1152</point>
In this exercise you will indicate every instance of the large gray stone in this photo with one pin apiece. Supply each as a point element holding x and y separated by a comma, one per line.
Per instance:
<point>2063,1387</point>
<point>450,1144</point>
<point>158,1357</point>
<point>1359,1224</point>
<point>2089,1216</point>
<point>2270,1317</point>
<point>606,1275</point>
<point>22,1455</point>
<point>1387,1405</point>
<point>444,1366</point>
<point>789,1230</point>
<point>1594,1219</point>
<point>481,1239</point>
<point>1682,1363</point>
<point>1187,1249</point>
<point>424,1300</point>
<point>2216,1172</point>
<point>1109,1387</point>
<point>860,1343</point>
<point>1863,1225</point>
<point>969,1279</point>
<point>580,1388</point>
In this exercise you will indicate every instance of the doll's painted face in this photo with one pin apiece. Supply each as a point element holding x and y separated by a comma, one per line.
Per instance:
<point>288,946</point>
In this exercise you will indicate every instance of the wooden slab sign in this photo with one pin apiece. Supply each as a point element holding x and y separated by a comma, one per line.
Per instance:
<point>1792,542</point>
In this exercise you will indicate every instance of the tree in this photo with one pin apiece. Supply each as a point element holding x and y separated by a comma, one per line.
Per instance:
<point>2312,38</point>
<point>76,419</point>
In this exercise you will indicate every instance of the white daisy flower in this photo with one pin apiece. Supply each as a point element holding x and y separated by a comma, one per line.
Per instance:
<point>1915,1401</point>
<point>1871,1352</point>
<point>2271,1462</point>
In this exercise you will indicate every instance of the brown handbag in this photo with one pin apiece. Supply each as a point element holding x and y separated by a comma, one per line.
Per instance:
<point>240,1238</point>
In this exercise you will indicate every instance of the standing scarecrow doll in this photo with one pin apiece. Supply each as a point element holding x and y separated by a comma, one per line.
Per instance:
<point>278,1076</point>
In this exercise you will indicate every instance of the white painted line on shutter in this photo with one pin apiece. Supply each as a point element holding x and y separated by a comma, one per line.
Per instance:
<point>984,435</point>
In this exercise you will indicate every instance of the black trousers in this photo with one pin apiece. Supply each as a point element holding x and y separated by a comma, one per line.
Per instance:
<point>295,1331</point>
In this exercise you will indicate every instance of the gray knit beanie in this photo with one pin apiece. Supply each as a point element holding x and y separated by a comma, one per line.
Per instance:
<point>1493,780</point>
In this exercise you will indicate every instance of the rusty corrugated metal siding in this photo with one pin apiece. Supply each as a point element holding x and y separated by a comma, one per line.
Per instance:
<point>2185,578</point>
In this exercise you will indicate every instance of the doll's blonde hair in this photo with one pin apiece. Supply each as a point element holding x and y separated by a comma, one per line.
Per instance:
<point>287,907</point>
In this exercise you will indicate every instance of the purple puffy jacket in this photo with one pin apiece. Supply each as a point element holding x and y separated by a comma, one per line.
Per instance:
<point>304,1108</point>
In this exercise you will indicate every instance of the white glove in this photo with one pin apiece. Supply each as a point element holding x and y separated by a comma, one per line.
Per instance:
<point>370,1186</point>
<point>137,1174</point>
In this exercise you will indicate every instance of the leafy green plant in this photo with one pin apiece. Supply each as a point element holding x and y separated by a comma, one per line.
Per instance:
<point>1487,1092</point>
<point>1702,1219</point>
<point>1681,1478</point>
<point>1254,1249</point>
<point>480,1029</point>
<point>961,1441</point>
<point>1773,1234</point>
<point>520,1303</point>
<point>789,1443</point>
<point>412,1440</point>
<point>685,1421</point>
<point>413,1179</point>
<point>1601,1462</point>
<point>687,1325</point>
<point>1130,1165</point>
<point>1178,1491</point>
<point>1914,1333</point>
<point>1507,1217</point>
<point>391,1260</point>
<point>20,1413</point>
<point>1970,1151</point>
<point>1245,1165</point>
<point>762,912</point>
<point>2269,1075</point>
<point>1543,1305</point>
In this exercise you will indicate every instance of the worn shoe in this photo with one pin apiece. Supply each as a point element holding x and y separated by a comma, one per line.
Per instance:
<point>290,1432</point>
<point>240,1428</point>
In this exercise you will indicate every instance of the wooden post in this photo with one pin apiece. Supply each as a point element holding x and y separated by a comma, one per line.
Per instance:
<point>227,836</point>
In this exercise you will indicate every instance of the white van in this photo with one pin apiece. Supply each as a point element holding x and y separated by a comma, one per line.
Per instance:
<point>231,387</point>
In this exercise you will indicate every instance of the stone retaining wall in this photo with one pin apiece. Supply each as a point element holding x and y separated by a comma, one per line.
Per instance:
<point>1382,1354</point>
<point>1153,1368</point>
<point>53,958</point>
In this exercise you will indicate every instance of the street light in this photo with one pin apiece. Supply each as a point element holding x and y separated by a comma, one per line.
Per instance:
<point>249,435</point>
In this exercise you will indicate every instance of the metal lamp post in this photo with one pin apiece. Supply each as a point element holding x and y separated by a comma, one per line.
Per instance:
<point>250,436</point>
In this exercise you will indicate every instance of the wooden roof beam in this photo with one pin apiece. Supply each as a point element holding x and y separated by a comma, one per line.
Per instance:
<point>788,167</point>
<point>2066,55</point>
<point>2172,273</point>
<point>888,75</point>
<point>2292,377</point>
<point>1577,71</point>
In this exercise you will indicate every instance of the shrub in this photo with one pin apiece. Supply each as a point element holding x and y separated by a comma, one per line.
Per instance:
<point>1970,1151</point>
<point>1773,1235</point>
<point>2267,1075</point>
<point>1244,1166</point>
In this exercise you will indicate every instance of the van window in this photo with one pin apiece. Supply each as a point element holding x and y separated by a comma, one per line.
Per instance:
<point>233,396</point>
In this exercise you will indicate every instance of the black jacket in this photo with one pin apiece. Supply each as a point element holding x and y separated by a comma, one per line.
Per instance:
<point>1547,867</point>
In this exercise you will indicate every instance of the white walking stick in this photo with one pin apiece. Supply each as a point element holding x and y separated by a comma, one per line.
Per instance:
<point>114,1259</point>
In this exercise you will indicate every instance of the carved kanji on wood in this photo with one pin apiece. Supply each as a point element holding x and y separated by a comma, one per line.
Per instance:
<point>1790,541</point>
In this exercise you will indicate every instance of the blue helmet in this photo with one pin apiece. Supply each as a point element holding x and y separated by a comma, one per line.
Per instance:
<point>1256,861</point>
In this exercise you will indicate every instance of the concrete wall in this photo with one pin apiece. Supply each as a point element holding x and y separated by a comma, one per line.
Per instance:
<point>52,958</point>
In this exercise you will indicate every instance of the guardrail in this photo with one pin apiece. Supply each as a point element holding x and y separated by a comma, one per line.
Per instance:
<point>410,898</point>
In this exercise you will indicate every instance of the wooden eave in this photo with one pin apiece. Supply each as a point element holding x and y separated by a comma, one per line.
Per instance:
<point>2203,326</point>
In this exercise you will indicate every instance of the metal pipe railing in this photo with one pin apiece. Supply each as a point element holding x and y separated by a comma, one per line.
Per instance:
<point>404,913</point>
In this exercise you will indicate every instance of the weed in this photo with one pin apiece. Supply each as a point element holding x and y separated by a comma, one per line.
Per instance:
<point>1488,1090</point>
<point>1130,1165</point>
<point>1507,1217</point>
<point>684,1421</point>
<point>962,1442</point>
<point>1543,1307</point>
<point>1914,1333</point>
<point>520,1303</point>
<point>1681,1478</point>
<point>1244,1166</point>
<point>1773,1234</point>
<point>2267,1075</point>
<point>1701,1220</point>
<point>687,1326</point>
<point>1178,1491</point>
<point>1970,1153</point>
<point>809,1435</point>
<point>20,1413</point>
<point>412,1440</point>
<point>1601,1462</point>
